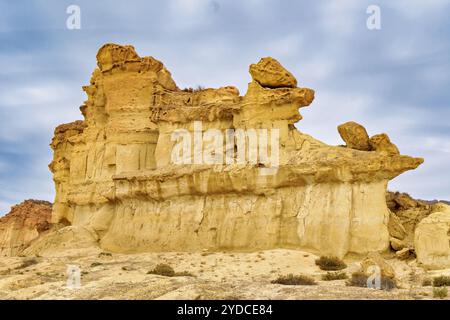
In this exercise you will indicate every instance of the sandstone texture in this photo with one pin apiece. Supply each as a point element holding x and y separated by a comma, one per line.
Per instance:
<point>354,135</point>
<point>208,275</point>
<point>432,239</point>
<point>117,184</point>
<point>22,225</point>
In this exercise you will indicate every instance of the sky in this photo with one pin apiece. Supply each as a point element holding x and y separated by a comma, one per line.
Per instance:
<point>395,79</point>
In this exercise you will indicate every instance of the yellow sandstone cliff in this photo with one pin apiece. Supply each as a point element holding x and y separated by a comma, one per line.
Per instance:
<point>116,180</point>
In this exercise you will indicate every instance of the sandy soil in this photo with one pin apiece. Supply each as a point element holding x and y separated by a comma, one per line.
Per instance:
<point>219,275</point>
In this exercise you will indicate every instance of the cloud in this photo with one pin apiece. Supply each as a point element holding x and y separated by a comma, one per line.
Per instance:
<point>394,80</point>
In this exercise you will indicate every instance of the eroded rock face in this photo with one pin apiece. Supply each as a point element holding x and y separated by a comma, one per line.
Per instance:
<point>115,176</point>
<point>432,239</point>
<point>22,225</point>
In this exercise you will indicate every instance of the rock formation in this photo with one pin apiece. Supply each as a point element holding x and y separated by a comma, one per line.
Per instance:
<point>432,238</point>
<point>420,227</point>
<point>22,225</point>
<point>116,177</point>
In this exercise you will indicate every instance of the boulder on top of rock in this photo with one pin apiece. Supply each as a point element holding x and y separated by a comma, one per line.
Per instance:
<point>354,135</point>
<point>382,143</point>
<point>269,73</point>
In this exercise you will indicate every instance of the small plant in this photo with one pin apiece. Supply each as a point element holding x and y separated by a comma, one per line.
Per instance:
<point>104,254</point>
<point>441,281</point>
<point>197,89</point>
<point>163,270</point>
<point>330,263</point>
<point>96,264</point>
<point>359,279</point>
<point>330,276</point>
<point>440,292</point>
<point>298,280</point>
<point>27,263</point>
<point>427,282</point>
<point>184,274</point>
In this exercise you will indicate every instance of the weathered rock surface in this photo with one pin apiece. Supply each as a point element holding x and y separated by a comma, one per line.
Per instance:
<point>406,213</point>
<point>395,227</point>
<point>382,143</point>
<point>115,176</point>
<point>375,259</point>
<point>22,225</point>
<point>269,73</point>
<point>354,135</point>
<point>432,239</point>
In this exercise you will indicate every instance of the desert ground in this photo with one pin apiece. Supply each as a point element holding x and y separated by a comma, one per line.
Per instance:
<point>209,275</point>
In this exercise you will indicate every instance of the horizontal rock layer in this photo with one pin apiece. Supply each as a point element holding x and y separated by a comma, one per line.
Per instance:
<point>115,176</point>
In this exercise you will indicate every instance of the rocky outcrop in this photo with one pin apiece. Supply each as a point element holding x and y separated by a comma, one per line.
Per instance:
<point>432,239</point>
<point>154,167</point>
<point>22,225</point>
<point>406,213</point>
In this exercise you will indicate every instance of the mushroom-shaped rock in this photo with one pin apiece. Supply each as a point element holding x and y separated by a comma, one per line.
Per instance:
<point>354,135</point>
<point>382,143</point>
<point>269,73</point>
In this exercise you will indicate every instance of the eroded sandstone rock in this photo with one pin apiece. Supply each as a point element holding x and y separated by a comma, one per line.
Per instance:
<point>269,73</point>
<point>115,175</point>
<point>22,225</point>
<point>432,240</point>
<point>375,259</point>
<point>395,227</point>
<point>354,135</point>
<point>382,143</point>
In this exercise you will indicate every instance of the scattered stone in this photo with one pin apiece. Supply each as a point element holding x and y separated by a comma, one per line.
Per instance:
<point>404,254</point>
<point>374,258</point>
<point>395,227</point>
<point>397,244</point>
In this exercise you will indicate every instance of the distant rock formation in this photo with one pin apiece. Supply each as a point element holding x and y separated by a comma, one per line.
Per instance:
<point>22,225</point>
<point>422,227</point>
<point>115,174</point>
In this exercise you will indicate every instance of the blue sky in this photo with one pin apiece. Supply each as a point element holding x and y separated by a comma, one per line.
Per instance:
<point>394,80</point>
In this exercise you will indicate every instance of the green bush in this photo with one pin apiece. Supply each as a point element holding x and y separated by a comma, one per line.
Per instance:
<point>330,276</point>
<point>298,280</point>
<point>330,263</point>
<point>441,281</point>
<point>440,292</point>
